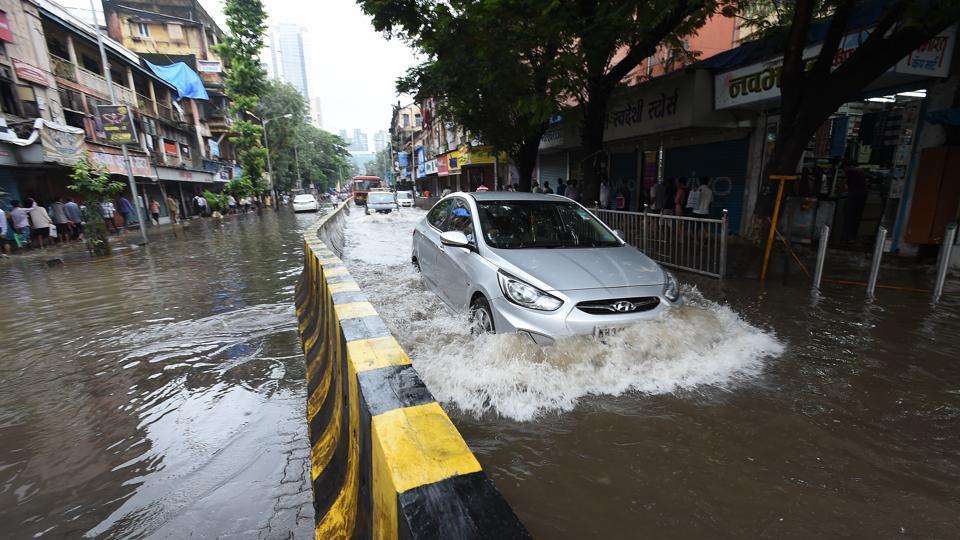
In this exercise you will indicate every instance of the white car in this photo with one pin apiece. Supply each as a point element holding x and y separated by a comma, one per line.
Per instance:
<point>405,198</point>
<point>305,202</point>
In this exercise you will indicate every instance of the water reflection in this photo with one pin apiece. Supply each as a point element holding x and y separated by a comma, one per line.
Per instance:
<point>137,392</point>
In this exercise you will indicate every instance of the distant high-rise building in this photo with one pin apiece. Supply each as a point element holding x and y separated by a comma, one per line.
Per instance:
<point>287,62</point>
<point>316,113</point>
<point>381,140</point>
<point>360,142</point>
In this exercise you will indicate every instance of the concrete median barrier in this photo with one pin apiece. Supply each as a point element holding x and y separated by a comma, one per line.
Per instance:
<point>386,461</point>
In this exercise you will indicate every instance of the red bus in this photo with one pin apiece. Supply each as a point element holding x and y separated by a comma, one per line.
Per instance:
<point>361,185</point>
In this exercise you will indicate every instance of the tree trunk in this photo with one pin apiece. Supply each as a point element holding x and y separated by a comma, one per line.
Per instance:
<point>95,233</point>
<point>591,139</point>
<point>526,159</point>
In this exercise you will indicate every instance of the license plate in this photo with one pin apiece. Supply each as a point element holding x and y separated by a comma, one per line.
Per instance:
<point>601,332</point>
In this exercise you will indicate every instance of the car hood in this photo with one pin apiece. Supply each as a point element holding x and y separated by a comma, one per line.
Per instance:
<point>564,269</point>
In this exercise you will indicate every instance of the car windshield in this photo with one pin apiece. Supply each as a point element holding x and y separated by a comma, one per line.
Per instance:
<point>541,224</point>
<point>380,198</point>
<point>303,198</point>
<point>404,195</point>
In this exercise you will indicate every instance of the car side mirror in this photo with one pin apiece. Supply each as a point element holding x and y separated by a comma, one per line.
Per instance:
<point>454,239</point>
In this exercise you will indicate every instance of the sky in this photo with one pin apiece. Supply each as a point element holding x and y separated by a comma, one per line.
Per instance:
<point>350,67</point>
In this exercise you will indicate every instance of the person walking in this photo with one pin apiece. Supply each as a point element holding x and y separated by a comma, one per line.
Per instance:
<point>561,187</point>
<point>107,212</point>
<point>5,236</point>
<point>75,215</point>
<point>232,204</point>
<point>40,222</point>
<point>60,220</point>
<point>124,208</point>
<point>20,218</point>
<point>173,209</point>
<point>155,211</point>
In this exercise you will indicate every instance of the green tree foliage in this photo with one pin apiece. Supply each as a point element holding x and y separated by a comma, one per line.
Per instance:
<point>379,165</point>
<point>320,156</point>
<point>491,66</point>
<point>902,26</point>
<point>239,188</point>
<point>94,185</point>
<point>246,82</point>
<point>217,201</point>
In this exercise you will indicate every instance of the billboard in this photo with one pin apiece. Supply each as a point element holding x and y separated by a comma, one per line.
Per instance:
<point>117,122</point>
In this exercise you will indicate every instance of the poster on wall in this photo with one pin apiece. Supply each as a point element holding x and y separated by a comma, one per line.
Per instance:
<point>117,124</point>
<point>61,144</point>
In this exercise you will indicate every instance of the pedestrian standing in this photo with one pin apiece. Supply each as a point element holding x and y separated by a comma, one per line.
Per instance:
<point>5,237</point>
<point>232,204</point>
<point>680,199</point>
<point>561,187</point>
<point>605,194</point>
<point>40,222</point>
<point>75,215</point>
<point>173,209</point>
<point>155,211</point>
<point>706,199</point>
<point>60,220</point>
<point>546,187</point>
<point>124,208</point>
<point>572,193</point>
<point>107,212</point>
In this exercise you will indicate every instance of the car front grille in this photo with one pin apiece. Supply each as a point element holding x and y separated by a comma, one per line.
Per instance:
<point>619,306</point>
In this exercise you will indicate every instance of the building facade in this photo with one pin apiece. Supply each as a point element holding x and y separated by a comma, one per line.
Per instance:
<point>287,60</point>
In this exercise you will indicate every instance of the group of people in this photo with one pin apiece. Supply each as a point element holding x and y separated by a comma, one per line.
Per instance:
<point>31,224</point>
<point>675,197</point>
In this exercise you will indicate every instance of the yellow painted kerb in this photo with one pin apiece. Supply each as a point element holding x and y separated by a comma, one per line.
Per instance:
<point>354,310</point>
<point>375,353</point>
<point>421,446</point>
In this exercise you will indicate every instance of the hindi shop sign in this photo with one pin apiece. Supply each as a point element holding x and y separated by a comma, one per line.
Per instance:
<point>761,82</point>
<point>649,108</point>
<point>117,124</point>
<point>430,167</point>
<point>114,164</point>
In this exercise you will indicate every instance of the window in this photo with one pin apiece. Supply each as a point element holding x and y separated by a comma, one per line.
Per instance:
<point>418,120</point>
<point>541,224</point>
<point>459,219</point>
<point>143,30</point>
<point>438,214</point>
<point>175,31</point>
<point>406,120</point>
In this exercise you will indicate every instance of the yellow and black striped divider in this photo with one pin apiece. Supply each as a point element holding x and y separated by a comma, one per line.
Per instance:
<point>386,461</point>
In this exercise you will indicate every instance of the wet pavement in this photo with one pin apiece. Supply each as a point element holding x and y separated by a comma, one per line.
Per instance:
<point>751,412</point>
<point>159,392</point>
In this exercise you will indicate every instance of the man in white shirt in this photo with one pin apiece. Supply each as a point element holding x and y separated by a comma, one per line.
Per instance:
<point>21,221</point>
<point>706,199</point>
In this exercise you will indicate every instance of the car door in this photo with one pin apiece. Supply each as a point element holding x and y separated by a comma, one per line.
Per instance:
<point>452,265</point>
<point>427,241</point>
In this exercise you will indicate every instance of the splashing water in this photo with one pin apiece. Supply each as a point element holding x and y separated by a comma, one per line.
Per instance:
<point>701,343</point>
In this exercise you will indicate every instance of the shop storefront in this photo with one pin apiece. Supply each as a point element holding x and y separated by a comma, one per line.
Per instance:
<point>859,168</point>
<point>182,185</point>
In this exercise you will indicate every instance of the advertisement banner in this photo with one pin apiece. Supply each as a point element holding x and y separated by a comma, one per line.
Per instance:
<point>209,66</point>
<point>61,144</point>
<point>483,155</point>
<point>113,164</point>
<point>442,169</point>
<point>5,33</point>
<point>430,167</point>
<point>117,123</point>
<point>29,72</point>
<point>453,162</point>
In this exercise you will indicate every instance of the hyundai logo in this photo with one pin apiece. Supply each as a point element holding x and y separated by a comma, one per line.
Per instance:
<point>623,306</point>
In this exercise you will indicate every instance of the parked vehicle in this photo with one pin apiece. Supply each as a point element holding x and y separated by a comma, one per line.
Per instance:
<point>405,198</point>
<point>305,202</point>
<point>382,202</point>
<point>541,265</point>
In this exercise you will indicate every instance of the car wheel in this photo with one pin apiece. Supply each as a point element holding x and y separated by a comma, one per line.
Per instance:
<point>481,317</point>
<point>416,263</point>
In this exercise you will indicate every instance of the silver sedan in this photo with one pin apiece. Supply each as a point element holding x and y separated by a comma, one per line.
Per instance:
<point>540,265</point>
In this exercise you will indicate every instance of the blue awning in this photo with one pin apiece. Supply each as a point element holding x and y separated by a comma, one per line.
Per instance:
<point>184,79</point>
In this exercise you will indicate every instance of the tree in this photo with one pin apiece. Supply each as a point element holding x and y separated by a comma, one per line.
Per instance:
<point>246,82</point>
<point>902,26</point>
<point>492,67</point>
<point>521,58</point>
<point>610,38</point>
<point>94,185</point>
<point>379,165</point>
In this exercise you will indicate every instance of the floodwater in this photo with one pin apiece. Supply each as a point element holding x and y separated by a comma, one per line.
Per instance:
<point>751,412</point>
<point>159,392</point>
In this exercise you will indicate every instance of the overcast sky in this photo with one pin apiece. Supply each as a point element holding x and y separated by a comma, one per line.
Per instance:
<point>351,67</point>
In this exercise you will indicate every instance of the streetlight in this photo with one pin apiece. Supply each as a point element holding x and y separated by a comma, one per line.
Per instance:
<point>266,144</point>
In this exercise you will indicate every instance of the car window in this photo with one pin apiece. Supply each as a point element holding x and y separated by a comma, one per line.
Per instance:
<point>541,224</point>
<point>378,198</point>
<point>303,198</point>
<point>460,219</point>
<point>438,213</point>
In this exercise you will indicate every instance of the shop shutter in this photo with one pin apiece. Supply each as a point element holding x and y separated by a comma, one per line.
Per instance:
<point>553,166</point>
<point>721,160</point>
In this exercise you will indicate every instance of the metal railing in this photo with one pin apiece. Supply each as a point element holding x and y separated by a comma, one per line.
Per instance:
<point>686,243</point>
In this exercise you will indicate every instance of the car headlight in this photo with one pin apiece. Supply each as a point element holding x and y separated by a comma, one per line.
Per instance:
<point>671,289</point>
<point>526,295</point>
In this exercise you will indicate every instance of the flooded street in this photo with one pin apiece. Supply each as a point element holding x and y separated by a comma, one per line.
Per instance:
<point>159,392</point>
<point>749,412</point>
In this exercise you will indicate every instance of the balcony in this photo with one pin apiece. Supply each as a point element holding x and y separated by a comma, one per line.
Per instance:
<point>65,70</point>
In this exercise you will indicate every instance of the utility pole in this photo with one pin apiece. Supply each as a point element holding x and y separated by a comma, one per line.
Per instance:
<point>296,162</point>
<point>113,101</point>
